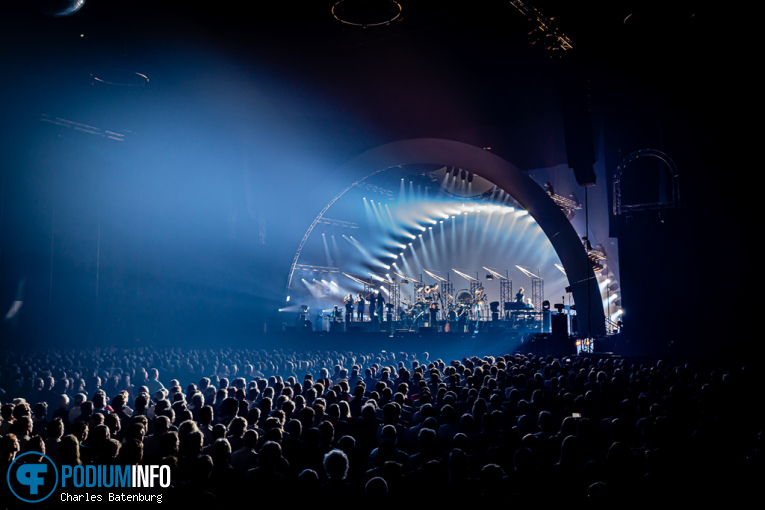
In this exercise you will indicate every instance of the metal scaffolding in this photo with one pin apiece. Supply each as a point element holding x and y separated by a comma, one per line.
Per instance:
<point>537,287</point>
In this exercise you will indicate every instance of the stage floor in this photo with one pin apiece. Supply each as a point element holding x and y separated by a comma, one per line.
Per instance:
<point>486,341</point>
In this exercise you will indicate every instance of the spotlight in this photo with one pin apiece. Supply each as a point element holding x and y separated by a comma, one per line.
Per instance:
<point>489,277</point>
<point>545,305</point>
<point>470,177</point>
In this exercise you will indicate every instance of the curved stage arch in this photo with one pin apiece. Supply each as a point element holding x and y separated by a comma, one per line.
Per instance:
<point>518,185</point>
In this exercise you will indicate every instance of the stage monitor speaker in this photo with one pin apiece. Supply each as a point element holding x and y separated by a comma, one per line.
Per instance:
<point>428,329</point>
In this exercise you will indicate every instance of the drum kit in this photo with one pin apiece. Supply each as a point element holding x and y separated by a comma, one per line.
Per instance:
<point>414,313</point>
<point>464,305</point>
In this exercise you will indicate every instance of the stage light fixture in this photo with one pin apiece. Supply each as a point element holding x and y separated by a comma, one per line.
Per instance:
<point>489,277</point>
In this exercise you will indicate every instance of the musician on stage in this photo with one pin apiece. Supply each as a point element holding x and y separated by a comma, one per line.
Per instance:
<point>380,306</point>
<point>433,313</point>
<point>336,314</point>
<point>348,307</point>
<point>519,297</point>
<point>462,316</point>
<point>360,304</point>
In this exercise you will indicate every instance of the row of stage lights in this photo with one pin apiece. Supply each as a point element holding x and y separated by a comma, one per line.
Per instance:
<point>432,222</point>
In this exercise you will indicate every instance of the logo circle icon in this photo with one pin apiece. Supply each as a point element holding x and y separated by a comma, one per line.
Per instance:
<point>32,482</point>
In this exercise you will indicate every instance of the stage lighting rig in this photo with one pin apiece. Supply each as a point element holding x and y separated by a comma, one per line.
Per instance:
<point>366,13</point>
<point>83,128</point>
<point>567,205</point>
<point>316,269</point>
<point>544,30</point>
<point>465,276</point>
<point>434,276</point>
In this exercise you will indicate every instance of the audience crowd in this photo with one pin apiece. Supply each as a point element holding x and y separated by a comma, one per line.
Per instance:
<point>236,425</point>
